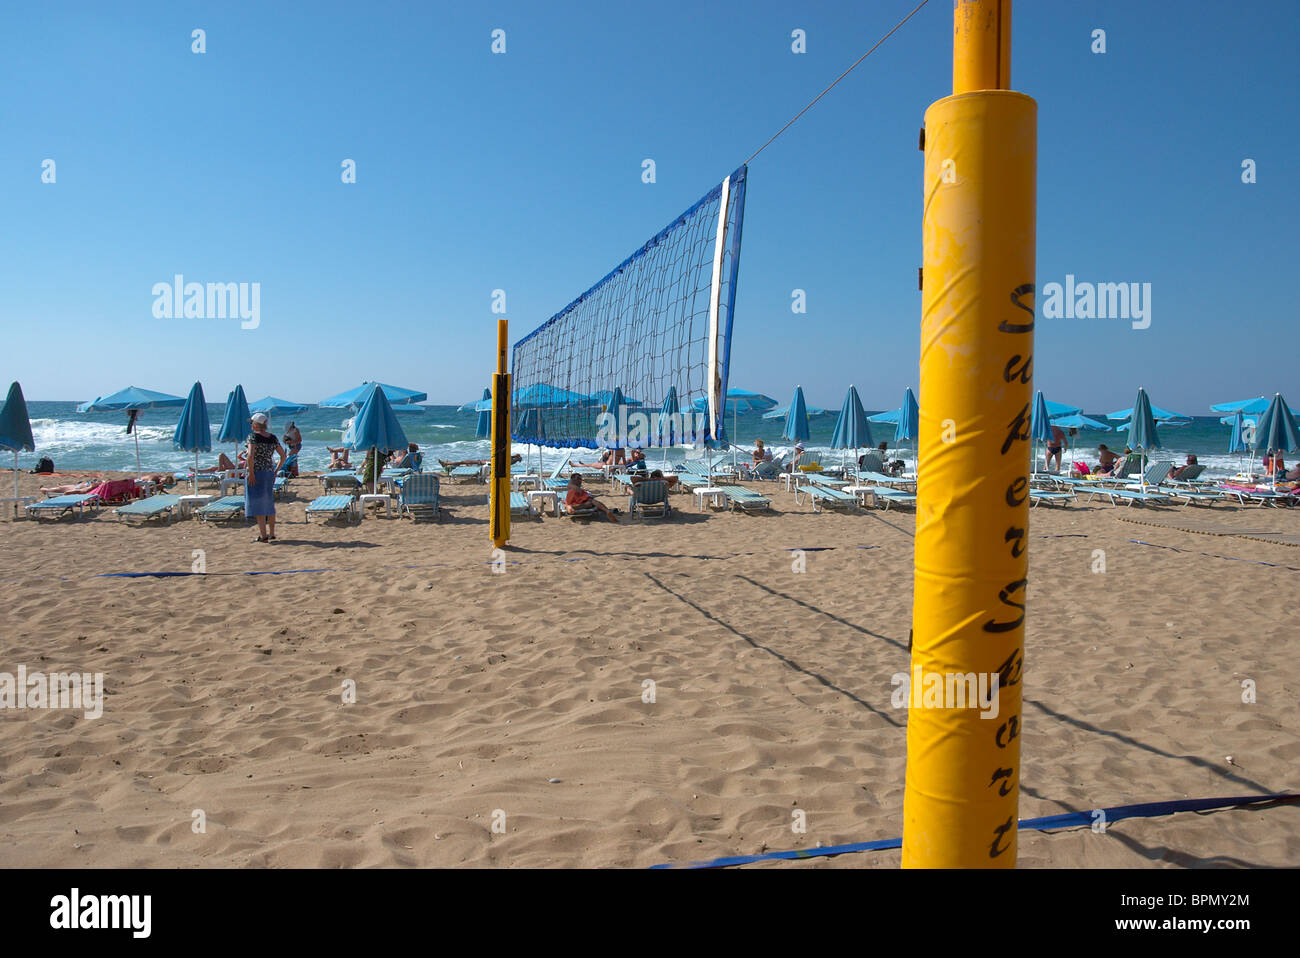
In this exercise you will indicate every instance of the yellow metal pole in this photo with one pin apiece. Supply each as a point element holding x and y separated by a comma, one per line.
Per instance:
<point>499,493</point>
<point>960,804</point>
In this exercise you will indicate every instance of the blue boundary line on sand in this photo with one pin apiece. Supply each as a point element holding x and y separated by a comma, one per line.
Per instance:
<point>1064,820</point>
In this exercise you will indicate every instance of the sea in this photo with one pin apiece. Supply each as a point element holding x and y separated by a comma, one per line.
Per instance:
<point>98,442</point>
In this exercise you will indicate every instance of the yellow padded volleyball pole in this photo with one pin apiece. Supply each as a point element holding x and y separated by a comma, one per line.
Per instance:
<point>499,493</point>
<point>960,805</point>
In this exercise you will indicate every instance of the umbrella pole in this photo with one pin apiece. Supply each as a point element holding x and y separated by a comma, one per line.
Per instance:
<point>195,481</point>
<point>15,473</point>
<point>136,433</point>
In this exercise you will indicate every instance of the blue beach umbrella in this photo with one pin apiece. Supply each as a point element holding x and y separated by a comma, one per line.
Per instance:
<point>1245,406</point>
<point>1078,421</point>
<point>483,428</point>
<point>796,418</point>
<point>133,400</point>
<point>851,428</point>
<point>909,420</point>
<point>668,431</point>
<point>235,426</point>
<point>739,400</point>
<point>16,428</point>
<point>272,406</point>
<point>1142,429</point>
<point>532,430</point>
<point>1040,423</point>
<point>375,427</point>
<point>359,395</point>
<point>1237,439</point>
<point>538,394</point>
<point>616,402</point>
<point>1158,414</point>
<point>1057,409</point>
<point>194,431</point>
<point>1277,430</point>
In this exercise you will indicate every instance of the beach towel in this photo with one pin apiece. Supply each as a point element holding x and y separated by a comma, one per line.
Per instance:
<point>117,490</point>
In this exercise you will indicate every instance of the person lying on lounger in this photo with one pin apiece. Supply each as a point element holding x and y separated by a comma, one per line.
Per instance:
<point>223,465</point>
<point>73,489</point>
<point>339,457</point>
<point>579,498</point>
<point>1178,473</point>
<point>450,465</point>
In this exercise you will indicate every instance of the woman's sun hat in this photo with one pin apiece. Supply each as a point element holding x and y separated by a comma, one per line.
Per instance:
<point>259,418</point>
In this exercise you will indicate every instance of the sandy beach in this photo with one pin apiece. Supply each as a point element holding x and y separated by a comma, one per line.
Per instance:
<point>481,694</point>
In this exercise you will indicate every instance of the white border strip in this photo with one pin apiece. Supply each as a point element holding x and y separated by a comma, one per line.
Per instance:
<point>717,403</point>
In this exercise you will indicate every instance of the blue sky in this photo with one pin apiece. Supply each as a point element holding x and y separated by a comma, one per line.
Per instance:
<point>522,172</point>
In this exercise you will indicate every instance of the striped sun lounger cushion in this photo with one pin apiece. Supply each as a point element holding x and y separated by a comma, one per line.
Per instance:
<point>518,502</point>
<point>151,508</point>
<point>225,508</point>
<point>58,505</point>
<point>333,505</point>
<point>823,496</point>
<point>738,497</point>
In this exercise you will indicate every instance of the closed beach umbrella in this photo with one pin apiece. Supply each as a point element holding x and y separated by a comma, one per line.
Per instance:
<point>909,421</point>
<point>16,428</point>
<point>796,418</point>
<point>273,406</point>
<point>1277,430</point>
<point>1142,429</point>
<point>133,400</point>
<point>1237,440</point>
<point>669,432</point>
<point>483,428</point>
<point>1040,423</point>
<point>194,431</point>
<point>616,402</point>
<point>235,425</point>
<point>375,428</point>
<point>851,428</point>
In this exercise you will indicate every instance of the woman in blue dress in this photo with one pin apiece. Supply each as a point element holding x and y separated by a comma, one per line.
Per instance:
<point>259,501</point>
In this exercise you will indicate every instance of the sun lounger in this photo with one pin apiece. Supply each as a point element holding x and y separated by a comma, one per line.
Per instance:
<point>283,476</point>
<point>649,498</point>
<point>421,497</point>
<point>154,507</point>
<point>889,496</point>
<point>1189,473</point>
<point>579,512</point>
<point>59,506</point>
<point>746,500</point>
<point>1127,496</point>
<point>1261,497</point>
<point>227,507</point>
<point>823,496</point>
<point>340,478</point>
<point>519,504</point>
<point>554,482</point>
<point>332,506</point>
<point>1157,472</point>
<point>1191,496</point>
<point>1041,496</point>
<point>470,473</point>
